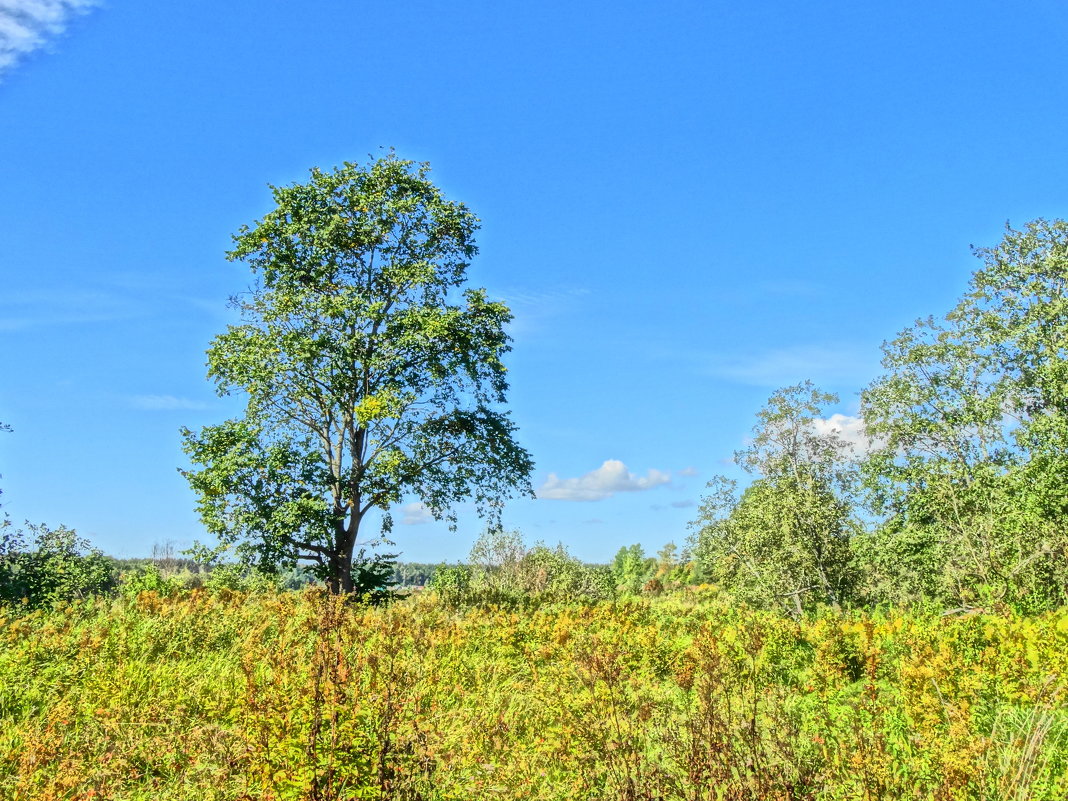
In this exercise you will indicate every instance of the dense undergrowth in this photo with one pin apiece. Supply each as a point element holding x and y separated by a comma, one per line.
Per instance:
<point>302,696</point>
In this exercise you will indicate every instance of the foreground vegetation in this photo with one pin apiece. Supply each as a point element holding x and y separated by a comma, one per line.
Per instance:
<point>224,695</point>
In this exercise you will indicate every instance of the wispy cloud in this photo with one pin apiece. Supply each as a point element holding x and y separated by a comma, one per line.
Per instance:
<point>164,403</point>
<point>783,366</point>
<point>608,479</point>
<point>542,300</point>
<point>531,306</point>
<point>415,514</point>
<point>109,298</point>
<point>28,25</point>
<point>21,309</point>
<point>659,507</point>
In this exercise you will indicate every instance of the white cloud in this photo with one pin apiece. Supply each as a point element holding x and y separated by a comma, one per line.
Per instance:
<point>26,25</point>
<point>849,429</point>
<point>158,403</point>
<point>415,514</point>
<point>608,479</point>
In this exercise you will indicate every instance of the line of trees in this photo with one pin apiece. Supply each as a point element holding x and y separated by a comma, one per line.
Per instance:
<point>958,495</point>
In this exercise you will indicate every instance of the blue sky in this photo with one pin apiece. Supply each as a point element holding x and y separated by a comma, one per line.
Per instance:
<point>686,204</point>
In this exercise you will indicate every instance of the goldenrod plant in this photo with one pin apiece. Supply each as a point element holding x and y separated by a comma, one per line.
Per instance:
<point>688,696</point>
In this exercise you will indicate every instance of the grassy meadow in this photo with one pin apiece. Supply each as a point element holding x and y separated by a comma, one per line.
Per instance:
<point>300,695</point>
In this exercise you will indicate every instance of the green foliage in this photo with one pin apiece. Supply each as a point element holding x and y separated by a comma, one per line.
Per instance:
<point>674,569</point>
<point>496,559</point>
<point>148,578</point>
<point>505,571</point>
<point>631,569</point>
<point>297,577</point>
<point>634,573</point>
<point>237,577</point>
<point>785,541</point>
<point>901,566</point>
<point>554,574</point>
<point>972,419</point>
<point>371,374</point>
<point>452,583</point>
<point>56,566</point>
<point>372,575</point>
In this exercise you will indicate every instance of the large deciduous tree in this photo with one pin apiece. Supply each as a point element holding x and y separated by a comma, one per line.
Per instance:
<point>372,375</point>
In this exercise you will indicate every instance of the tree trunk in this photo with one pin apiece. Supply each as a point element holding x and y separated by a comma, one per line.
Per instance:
<point>340,581</point>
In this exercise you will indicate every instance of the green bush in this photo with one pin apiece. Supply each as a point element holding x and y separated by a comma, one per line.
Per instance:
<point>452,583</point>
<point>148,578</point>
<point>58,566</point>
<point>505,572</point>
<point>239,578</point>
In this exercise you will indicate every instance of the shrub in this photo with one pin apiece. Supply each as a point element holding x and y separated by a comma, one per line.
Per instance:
<point>239,578</point>
<point>148,578</point>
<point>60,566</point>
<point>504,571</point>
<point>452,583</point>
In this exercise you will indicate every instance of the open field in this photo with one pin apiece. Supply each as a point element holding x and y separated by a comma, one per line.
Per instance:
<point>299,696</point>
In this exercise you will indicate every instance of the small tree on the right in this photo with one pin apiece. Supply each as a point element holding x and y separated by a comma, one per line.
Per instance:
<point>785,541</point>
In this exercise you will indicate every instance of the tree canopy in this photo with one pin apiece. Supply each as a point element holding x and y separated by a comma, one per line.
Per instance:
<point>785,541</point>
<point>372,374</point>
<point>972,418</point>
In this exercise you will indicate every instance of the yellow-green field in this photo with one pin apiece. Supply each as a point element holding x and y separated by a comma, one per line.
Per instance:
<point>298,696</point>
